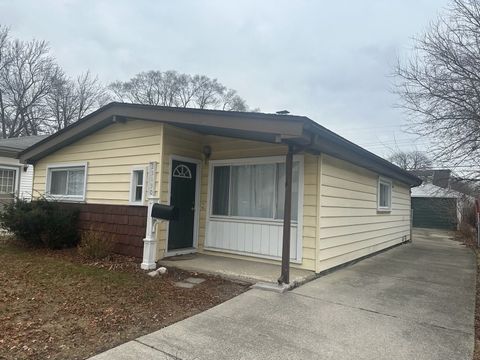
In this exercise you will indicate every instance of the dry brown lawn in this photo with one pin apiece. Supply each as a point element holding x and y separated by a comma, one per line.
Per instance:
<point>56,305</point>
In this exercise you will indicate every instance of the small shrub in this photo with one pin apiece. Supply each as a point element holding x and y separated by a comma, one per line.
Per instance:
<point>41,222</point>
<point>95,245</point>
<point>469,214</point>
<point>468,234</point>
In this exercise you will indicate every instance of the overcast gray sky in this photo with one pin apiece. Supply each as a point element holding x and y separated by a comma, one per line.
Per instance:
<point>329,60</point>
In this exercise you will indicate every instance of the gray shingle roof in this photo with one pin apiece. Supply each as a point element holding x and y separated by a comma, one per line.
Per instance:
<point>13,146</point>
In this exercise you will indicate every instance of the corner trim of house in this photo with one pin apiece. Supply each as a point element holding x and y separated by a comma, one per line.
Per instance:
<point>319,209</point>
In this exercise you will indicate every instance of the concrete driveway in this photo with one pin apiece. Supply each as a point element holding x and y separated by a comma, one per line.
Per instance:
<point>415,301</point>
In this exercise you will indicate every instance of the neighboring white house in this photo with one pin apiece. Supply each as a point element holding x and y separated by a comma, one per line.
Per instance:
<point>16,179</point>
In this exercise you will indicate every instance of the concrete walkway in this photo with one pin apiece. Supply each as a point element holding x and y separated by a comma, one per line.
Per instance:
<point>415,301</point>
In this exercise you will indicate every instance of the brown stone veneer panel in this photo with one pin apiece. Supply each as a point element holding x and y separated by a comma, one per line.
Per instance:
<point>124,224</point>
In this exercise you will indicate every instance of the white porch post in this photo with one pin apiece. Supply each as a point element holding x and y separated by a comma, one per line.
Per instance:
<point>150,241</point>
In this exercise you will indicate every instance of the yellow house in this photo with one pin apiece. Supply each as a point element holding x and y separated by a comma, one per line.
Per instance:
<point>225,174</point>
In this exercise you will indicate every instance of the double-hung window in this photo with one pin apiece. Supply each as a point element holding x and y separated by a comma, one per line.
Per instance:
<point>384,195</point>
<point>137,189</point>
<point>253,190</point>
<point>66,182</point>
<point>7,181</point>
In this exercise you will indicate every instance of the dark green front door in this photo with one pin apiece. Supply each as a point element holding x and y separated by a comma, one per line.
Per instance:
<point>182,196</point>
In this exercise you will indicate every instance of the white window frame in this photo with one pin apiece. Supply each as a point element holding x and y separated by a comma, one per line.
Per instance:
<point>66,166</point>
<point>16,185</point>
<point>131,195</point>
<point>388,182</point>
<point>255,161</point>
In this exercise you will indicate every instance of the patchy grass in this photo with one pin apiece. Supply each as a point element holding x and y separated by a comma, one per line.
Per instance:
<point>56,305</point>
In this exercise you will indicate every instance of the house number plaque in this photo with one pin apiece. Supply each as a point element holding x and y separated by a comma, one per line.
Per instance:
<point>152,170</point>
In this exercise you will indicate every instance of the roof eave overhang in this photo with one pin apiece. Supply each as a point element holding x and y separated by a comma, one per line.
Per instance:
<point>298,130</point>
<point>266,129</point>
<point>9,152</point>
<point>332,144</point>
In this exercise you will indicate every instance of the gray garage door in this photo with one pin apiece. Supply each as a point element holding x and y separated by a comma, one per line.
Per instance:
<point>434,213</point>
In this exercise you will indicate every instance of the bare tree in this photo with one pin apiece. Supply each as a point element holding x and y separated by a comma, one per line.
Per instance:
<point>150,88</point>
<point>3,47</point>
<point>35,95</point>
<point>91,94</point>
<point>440,86</point>
<point>187,89</point>
<point>233,102</point>
<point>171,88</point>
<point>25,80</point>
<point>208,92</point>
<point>411,160</point>
<point>5,60</point>
<point>71,99</point>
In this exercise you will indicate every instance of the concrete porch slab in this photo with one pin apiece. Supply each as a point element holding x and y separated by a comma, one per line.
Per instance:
<point>236,269</point>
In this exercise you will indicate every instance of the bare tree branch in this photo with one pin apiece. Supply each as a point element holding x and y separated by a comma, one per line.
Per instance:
<point>69,100</point>
<point>411,160</point>
<point>440,86</point>
<point>170,88</point>
<point>35,95</point>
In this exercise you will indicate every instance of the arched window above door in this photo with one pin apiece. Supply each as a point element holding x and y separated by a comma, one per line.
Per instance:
<point>182,171</point>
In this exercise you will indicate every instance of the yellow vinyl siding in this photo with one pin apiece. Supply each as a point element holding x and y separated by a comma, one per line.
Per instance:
<point>349,224</point>
<point>186,143</point>
<point>110,153</point>
<point>310,210</point>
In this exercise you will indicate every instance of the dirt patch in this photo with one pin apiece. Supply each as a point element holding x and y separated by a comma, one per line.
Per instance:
<point>57,305</point>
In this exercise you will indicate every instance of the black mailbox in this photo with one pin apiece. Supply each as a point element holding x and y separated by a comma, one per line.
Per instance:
<point>164,212</point>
